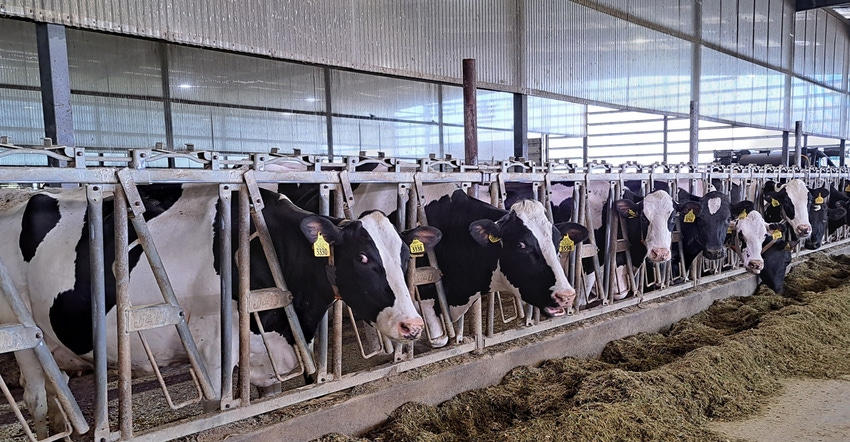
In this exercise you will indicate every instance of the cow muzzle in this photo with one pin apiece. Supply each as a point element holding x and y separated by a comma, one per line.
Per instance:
<point>804,230</point>
<point>714,253</point>
<point>564,298</point>
<point>755,266</point>
<point>411,328</point>
<point>659,254</point>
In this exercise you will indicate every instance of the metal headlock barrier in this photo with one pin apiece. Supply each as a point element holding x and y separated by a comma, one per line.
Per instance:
<point>240,176</point>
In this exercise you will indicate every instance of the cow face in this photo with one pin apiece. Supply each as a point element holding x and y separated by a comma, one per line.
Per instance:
<point>820,214</point>
<point>790,202</point>
<point>709,217</point>
<point>370,259</point>
<point>656,224</point>
<point>753,235</point>
<point>528,258</point>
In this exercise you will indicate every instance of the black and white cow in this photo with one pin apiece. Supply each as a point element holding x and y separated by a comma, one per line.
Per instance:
<point>487,249</point>
<point>838,199</point>
<point>704,223</point>
<point>762,247</point>
<point>47,252</point>
<point>789,202</point>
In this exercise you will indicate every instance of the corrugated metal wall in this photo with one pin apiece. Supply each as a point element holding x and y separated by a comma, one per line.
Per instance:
<point>629,53</point>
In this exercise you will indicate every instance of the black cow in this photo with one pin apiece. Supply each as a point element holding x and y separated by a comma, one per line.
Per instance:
<point>704,223</point>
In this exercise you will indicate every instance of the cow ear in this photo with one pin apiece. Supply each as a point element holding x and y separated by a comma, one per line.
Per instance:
<point>485,231</point>
<point>685,196</point>
<point>687,206</point>
<point>836,213</point>
<point>627,208</point>
<point>312,225</point>
<point>631,196</point>
<point>576,232</point>
<point>428,236</point>
<point>742,207</point>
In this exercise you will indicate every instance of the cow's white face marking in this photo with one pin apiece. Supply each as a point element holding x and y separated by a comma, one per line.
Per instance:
<point>713,205</point>
<point>533,216</point>
<point>753,230</point>
<point>389,246</point>
<point>657,207</point>
<point>799,196</point>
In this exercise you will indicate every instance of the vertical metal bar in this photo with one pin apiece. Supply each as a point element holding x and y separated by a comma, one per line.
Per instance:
<point>441,127</point>
<point>225,225</point>
<point>55,83</point>
<point>521,125</point>
<point>320,344</point>
<point>164,71</point>
<point>696,76</point>
<point>693,147</point>
<point>842,151</point>
<point>666,138</point>
<point>122,307</point>
<point>470,112</point>
<point>786,154</point>
<point>584,149</point>
<point>798,143</point>
<point>94,195</point>
<point>244,258</point>
<point>326,73</point>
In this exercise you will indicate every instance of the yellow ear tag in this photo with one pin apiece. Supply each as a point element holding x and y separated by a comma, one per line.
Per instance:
<point>777,234</point>
<point>819,199</point>
<point>730,230</point>
<point>774,202</point>
<point>417,247</point>
<point>847,189</point>
<point>321,248</point>
<point>493,239</point>
<point>742,215</point>
<point>632,214</point>
<point>566,245</point>
<point>690,217</point>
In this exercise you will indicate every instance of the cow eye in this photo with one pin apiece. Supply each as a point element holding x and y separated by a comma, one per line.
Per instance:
<point>363,258</point>
<point>520,245</point>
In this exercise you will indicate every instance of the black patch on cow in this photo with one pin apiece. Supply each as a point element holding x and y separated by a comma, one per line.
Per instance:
<point>40,216</point>
<point>70,314</point>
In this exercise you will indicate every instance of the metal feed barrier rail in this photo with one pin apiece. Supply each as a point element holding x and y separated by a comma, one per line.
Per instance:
<point>241,175</point>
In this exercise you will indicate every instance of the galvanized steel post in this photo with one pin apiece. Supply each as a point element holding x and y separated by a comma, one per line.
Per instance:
<point>94,195</point>
<point>225,225</point>
<point>798,143</point>
<point>55,83</point>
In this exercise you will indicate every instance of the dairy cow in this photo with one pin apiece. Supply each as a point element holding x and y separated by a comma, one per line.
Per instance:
<point>47,252</point>
<point>762,248</point>
<point>487,249</point>
<point>704,222</point>
<point>789,202</point>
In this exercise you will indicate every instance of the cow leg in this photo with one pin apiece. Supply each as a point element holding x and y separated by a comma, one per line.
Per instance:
<point>33,381</point>
<point>438,336</point>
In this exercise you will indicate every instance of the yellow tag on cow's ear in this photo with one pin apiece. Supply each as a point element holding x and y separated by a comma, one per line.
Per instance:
<point>690,217</point>
<point>742,215</point>
<point>777,234</point>
<point>774,202</point>
<point>321,248</point>
<point>847,189</point>
<point>417,247</point>
<point>566,245</point>
<point>730,230</point>
<point>632,214</point>
<point>493,239</point>
<point>819,199</point>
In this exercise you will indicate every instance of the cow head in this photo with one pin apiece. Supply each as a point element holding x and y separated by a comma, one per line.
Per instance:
<point>790,202</point>
<point>370,260</point>
<point>528,257</point>
<point>753,235</point>
<point>709,217</point>
<point>838,199</point>
<point>820,214</point>
<point>656,217</point>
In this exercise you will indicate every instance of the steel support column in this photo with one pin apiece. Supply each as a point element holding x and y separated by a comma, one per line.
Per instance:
<point>798,143</point>
<point>786,155</point>
<point>470,112</point>
<point>842,152</point>
<point>329,112</point>
<point>521,126</point>
<point>166,95</point>
<point>696,75</point>
<point>55,83</point>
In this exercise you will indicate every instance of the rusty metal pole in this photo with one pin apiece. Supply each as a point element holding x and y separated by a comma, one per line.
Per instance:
<point>470,117</point>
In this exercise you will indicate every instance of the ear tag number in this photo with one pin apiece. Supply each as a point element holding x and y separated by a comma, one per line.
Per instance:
<point>774,202</point>
<point>321,248</point>
<point>566,245</point>
<point>819,199</point>
<point>777,234</point>
<point>632,214</point>
<point>690,217</point>
<point>417,247</point>
<point>742,215</point>
<point>493,239</point>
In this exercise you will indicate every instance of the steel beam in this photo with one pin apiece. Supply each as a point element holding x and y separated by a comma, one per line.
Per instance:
<point>55,83</point>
